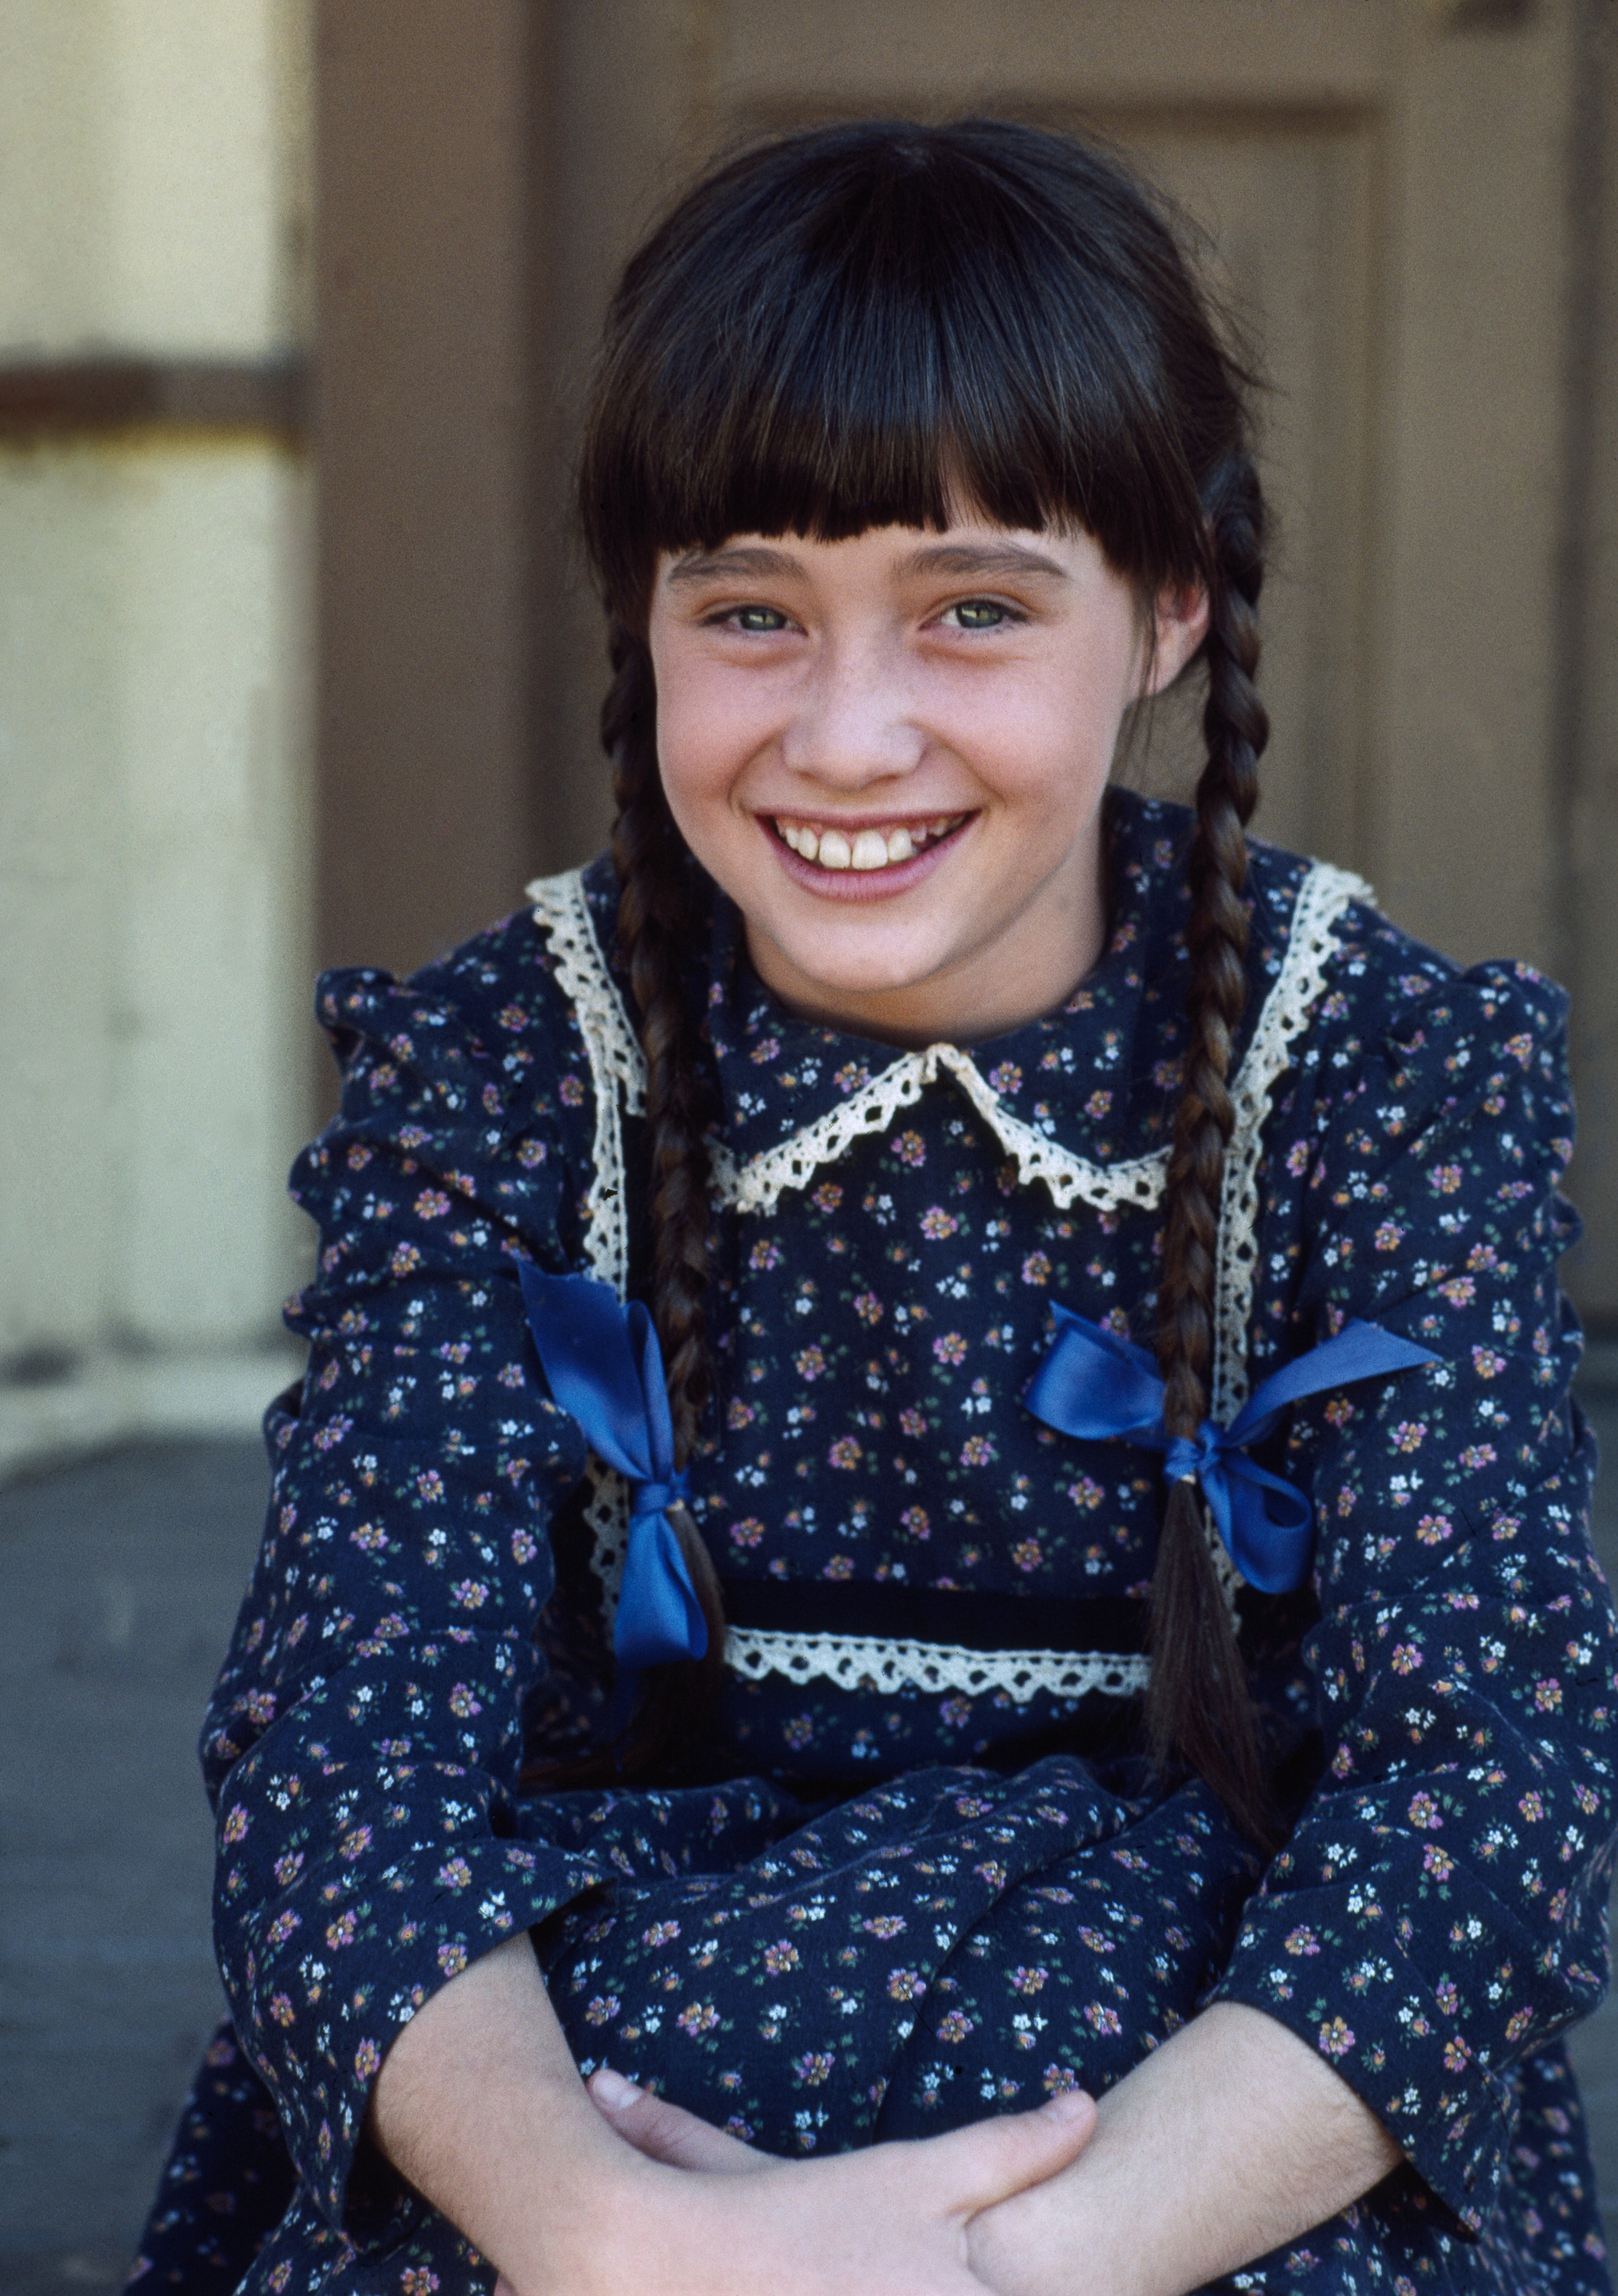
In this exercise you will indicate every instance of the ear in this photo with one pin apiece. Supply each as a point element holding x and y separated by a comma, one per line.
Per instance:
<point>1179,624</point>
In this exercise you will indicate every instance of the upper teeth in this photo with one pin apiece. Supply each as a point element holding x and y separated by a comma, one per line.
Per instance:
<point>869,848</point>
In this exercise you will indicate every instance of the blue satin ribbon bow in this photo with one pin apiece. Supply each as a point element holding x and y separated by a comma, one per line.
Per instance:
<point>605,1370</point>
<point>1101,1388</point>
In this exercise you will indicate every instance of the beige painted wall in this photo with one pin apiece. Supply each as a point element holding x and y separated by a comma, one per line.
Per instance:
<point>153,175</point>
<point>154,841</point>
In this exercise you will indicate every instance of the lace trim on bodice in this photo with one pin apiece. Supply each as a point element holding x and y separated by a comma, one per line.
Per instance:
<point>873,1662</point>
<point>617,1066</point>
<point>1326,892</point>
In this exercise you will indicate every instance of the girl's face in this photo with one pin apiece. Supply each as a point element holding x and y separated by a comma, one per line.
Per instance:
<point>891,752</point>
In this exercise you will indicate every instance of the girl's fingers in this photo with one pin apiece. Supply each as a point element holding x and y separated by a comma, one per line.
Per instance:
<point>993,2158</point>
<point>973,2167</point>
<point>666,2132</point>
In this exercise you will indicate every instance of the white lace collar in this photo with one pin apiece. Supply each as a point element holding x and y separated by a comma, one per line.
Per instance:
<point>618,1082</point>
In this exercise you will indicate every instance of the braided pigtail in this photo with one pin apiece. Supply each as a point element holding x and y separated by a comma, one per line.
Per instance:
<point>655,926</point>
<point>1198,1711</point>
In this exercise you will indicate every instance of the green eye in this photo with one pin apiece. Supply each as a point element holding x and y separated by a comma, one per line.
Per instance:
<point>758,619</point>
<point>978,614</point>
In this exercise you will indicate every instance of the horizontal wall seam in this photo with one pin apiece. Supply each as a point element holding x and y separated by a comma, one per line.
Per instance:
<point>57,398</point>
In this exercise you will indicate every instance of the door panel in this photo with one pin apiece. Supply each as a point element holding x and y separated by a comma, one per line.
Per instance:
<point>1285,205</point>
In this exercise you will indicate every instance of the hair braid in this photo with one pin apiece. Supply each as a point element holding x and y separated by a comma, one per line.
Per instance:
<point>1197,1708</point>
<point>655,922</point>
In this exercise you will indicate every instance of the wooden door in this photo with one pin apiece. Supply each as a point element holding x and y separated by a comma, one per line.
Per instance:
<point>1391,196</point>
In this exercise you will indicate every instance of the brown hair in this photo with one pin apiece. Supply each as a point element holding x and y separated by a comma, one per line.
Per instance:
<point>834,331</point>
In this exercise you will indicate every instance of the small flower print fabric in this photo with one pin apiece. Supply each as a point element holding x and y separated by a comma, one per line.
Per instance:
<point>887,1911</point>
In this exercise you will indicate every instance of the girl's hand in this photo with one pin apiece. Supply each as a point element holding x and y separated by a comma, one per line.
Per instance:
<point>667,2132</point>
<point>663,2132</point>
<point>577,2192</point>
<point>890,2220</point>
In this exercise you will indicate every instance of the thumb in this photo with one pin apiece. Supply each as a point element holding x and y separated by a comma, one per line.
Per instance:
<point>994,2159</point>
<point>666,2132</point>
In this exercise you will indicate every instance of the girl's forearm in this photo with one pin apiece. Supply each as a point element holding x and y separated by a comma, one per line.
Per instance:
<point>1230,2140</point>
<point>479,2105</point>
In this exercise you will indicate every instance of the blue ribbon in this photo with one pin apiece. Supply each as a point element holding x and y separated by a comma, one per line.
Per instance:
<point>1101,1388</point>
<point>605,1370</point>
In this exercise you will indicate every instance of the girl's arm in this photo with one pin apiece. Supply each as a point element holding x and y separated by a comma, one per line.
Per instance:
<point>478,2105</point>
<point>1430,1919</point>
<point>362,1741</point>
<point>1231,2139</point>
<point>1434,1915</point>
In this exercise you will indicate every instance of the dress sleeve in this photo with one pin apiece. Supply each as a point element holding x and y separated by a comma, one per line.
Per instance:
<point>1439,1910</point>
<point>362,1746</point>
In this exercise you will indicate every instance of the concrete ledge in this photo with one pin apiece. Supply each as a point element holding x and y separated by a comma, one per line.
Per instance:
<point>121,1400</point>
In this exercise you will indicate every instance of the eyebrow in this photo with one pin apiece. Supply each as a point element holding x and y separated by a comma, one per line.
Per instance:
<point>737,559</point>
<point>759,563</point>
<point>982,558</point>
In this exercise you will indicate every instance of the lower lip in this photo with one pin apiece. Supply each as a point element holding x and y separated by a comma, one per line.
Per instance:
<point>865,884</point>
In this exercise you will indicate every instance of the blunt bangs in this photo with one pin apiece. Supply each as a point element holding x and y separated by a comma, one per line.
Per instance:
<point>887,325</point>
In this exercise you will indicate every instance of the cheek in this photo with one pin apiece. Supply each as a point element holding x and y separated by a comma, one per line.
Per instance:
<point>710,722</point>
<point>694,737</point>
<point>1064,700</point>
<point>1043,743</point>
<point>1079,724</point>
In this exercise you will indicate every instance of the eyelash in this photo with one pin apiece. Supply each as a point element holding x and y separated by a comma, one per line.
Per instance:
<point>735,617</point>
<point>1009,615</point>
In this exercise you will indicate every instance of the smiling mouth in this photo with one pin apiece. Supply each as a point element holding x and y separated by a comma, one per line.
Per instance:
<point>865,850</point>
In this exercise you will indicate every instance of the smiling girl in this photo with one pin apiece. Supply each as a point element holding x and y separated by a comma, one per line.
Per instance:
<point>927,1620</point>
<point>899,781</point>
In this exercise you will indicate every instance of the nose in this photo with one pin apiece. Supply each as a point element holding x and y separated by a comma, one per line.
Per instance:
<point>851,725</point>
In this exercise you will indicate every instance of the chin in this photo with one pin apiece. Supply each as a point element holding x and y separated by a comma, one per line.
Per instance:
<point>860,980</point>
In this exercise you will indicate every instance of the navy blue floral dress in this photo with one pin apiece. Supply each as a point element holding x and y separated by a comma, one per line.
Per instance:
<point>927,1876</point>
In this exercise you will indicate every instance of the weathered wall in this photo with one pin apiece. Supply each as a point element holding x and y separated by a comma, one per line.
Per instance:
<point>154,809</point>
<point>423,439</point>
<point>1589,601</point>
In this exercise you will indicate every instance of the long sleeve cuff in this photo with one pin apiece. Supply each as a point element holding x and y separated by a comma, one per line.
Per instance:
<point>386,1949</point>
<point>1452,2116</point>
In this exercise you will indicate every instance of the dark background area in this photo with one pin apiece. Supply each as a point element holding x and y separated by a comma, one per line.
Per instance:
<point>119,1578</point>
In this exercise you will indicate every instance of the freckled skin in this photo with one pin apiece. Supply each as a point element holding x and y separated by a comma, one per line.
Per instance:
<point>898,677</point>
